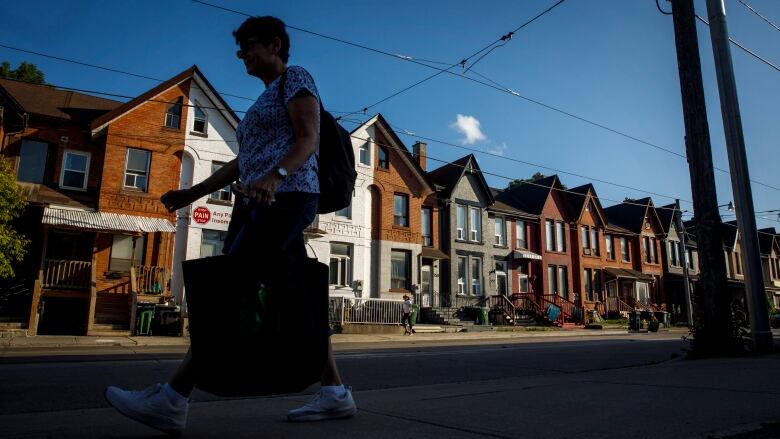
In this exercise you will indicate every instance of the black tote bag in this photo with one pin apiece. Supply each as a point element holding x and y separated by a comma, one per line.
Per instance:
<point>251,336</point>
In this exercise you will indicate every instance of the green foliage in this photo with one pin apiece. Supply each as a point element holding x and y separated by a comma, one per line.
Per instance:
<point>536,177</point>
<point>12,244</point>
<point>26,72</point>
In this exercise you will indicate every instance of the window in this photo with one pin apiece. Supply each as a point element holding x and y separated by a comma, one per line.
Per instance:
<point>340,268</point>
<point>587,278</point>
<point>461,275</point>
<point>560,237</point>
<point>426,226</point>
<point>646,248</point>
<point>624,249</point>
<point>383,162</point>
<point>475,224</point>
<point>211,242</point>
<point>522,278</point>
<point>224,193</point>
<point>563,280</point>
<point>500,232</point>
<point>75,169</point>
<point>122,252</point>
<point>552,279</point>
<point>548,228</point>
<point>476,276</point>
<point>522,242</point>
<point>32,161</point>
<point>199,120</point>
<point>501,282</point>
<point>585,241</point>
<point>173,114</point>
<point>610,247</point>
<point>137,169</point>
<point>597,284</point>
<point>401,210</point>
<point>674,253</point>
<point>461,222</point>
<point>400,269</point>
<point>737,263</point>
<point>594,241</point>
<point>364,154</point>
<point>345,212</point>
<point>689,257</point>
<point>653,253</point>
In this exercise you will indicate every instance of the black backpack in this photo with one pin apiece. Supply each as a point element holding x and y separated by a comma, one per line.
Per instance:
<point>336,161</point>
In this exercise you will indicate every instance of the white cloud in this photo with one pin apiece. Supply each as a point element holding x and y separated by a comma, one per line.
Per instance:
<point>497,149</point>
<point>469,126</point>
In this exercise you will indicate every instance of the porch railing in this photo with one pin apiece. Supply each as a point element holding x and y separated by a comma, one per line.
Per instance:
<point>569,310</point>
<point>67,274</point>
<point>365,311</point>
<point>149,279</point>
<point>468,301</point>
<point>502,304</point>
<point>615,304</point>
<point>526,302</point>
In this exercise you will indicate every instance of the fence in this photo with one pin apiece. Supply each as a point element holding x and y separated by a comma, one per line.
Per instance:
<point>150,279</point>
<point>344,310</point>
<point>67,274</point>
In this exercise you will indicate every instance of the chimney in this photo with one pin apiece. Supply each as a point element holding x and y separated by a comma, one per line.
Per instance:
<point>418,150</point>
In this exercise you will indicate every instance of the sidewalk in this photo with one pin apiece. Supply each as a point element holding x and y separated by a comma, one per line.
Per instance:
<point>62,341</point>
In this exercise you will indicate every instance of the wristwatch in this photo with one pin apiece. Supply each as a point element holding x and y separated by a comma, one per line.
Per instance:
<point>281,172</point>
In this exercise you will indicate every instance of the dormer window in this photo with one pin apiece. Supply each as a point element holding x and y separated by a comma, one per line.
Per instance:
<point>173,114</point>
<point>383,162</point>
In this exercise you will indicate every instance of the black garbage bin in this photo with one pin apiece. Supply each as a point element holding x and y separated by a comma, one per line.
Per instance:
<point>167,321</point>
<point>634,321</point>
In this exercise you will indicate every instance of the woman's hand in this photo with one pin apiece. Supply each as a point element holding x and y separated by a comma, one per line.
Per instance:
<point>262,191</point>
<point>175,200</point>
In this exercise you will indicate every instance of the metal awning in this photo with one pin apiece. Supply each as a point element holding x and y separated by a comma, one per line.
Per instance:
<point>628,273</point>
<point>433,253</point>
<point>99,221</point>
<point>526,254</point>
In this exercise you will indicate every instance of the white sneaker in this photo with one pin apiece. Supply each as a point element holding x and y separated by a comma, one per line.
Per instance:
<point>325,406</point>
<point>149,406</point>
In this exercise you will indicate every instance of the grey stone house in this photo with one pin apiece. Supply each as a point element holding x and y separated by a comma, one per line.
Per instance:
<point>673,258</point>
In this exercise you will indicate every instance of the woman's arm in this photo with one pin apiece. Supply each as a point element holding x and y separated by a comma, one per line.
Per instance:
<point>303,112</point>
<point>225,175</point>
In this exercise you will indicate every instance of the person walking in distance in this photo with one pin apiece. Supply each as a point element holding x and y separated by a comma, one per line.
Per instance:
<point>277,164</point>
<point>407,315</point>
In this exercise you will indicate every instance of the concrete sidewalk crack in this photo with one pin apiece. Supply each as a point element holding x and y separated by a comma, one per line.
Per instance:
<point>436,424</point>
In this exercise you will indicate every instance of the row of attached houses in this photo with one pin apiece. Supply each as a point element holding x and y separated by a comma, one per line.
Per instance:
<point>93,170</point>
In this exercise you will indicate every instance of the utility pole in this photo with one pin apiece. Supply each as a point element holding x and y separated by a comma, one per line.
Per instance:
<point>712,330</point>
<point>684,261</point>
<point>740,177</point>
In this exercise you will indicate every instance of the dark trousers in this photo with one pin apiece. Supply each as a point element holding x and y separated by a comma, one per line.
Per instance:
<point>407,318</point>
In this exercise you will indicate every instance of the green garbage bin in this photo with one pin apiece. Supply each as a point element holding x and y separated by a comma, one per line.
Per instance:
<point>483,316</point>
<point>144,317</point>
<point>415,312</point>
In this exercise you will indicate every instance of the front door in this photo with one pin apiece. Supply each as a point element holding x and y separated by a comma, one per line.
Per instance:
<point>425,286</point>
<point>642,293</point>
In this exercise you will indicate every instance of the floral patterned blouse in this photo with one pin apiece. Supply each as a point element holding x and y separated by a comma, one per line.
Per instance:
<point>265,135</point>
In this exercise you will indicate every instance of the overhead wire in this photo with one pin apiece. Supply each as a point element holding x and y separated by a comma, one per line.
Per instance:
<point>745,49</point>
<point>759,14</point>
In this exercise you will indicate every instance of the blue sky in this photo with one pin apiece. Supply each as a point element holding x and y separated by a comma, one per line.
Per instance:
<point>610,61</point>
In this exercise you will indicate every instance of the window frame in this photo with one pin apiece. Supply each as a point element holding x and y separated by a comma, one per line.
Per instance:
<point>343,262</point>
<point>147,172</point>
<point>365,147</point>
<point>45,147</point>
<point>140,247</point>
<point>502,270</point>
<point>382,164</point>
<point>426,223</point>
<point>460,226</point>
<point>407,268</point>
<point>560,237</point>
<point>196,119</point>
<point>215,166</point>
<point>475,217</point>
<point>63,170</point>
<point>549,232</point>
<point>462,274</point>
<point>585,233</point>
<point>587,275</point>
<point>521,237</point>
<point>499,234</point>
<point>403,216</point>
<point>594,242</point>
<point>625,254</point>
<point>552,279</point>
<point>475,282</point>
<point>219,233</point>
<point>175,115</point>
<point>522,278</point>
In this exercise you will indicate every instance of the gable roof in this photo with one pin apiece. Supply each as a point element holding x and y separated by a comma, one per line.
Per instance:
<point>630,214</point>
<point>767,239</point>
<point>531,196</point>
<point>450,174</point>
<point>576,198</point>
<point>98,124</point>
<point>52,102</point>
<point>666,216</point>
<point>502,205</point>
<point>399,149</point>
<point>730,232</point>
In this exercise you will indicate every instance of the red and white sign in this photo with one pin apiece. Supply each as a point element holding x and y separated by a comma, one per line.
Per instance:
<point>201,215</point>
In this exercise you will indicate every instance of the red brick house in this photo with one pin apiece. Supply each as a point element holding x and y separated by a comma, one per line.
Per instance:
<point>93,171</point>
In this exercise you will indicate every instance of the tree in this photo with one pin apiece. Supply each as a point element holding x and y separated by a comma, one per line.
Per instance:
<point>12,243</point>
<point>26,72</point>
<point>536,177</point>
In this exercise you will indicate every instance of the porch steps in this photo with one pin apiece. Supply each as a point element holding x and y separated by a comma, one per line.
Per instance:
<point>526,320</point>
<point>478,328</point>
<point>428,329</point>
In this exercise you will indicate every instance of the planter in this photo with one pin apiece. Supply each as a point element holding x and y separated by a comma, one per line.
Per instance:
<point>652,326</point>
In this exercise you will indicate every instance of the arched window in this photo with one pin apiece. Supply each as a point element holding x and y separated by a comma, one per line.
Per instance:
<point>173,114</point>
